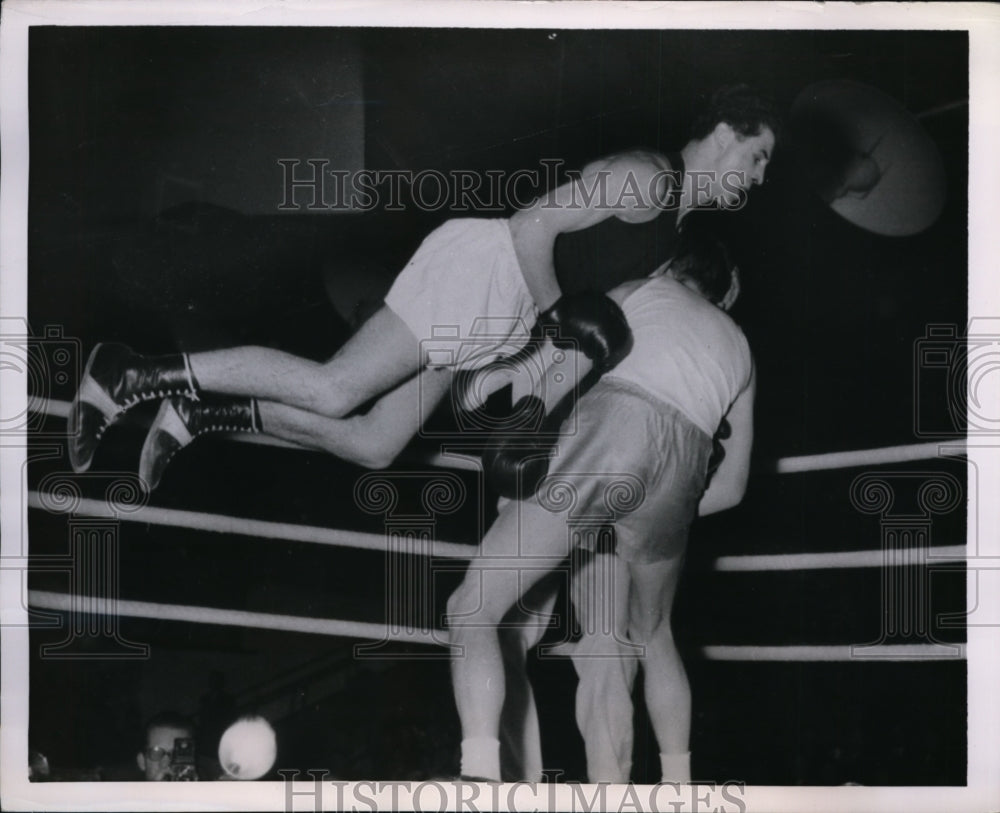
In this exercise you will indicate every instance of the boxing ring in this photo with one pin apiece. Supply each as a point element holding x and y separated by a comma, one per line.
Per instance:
<point>905,551</point>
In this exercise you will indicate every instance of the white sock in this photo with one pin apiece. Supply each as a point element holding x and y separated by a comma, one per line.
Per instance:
<point>675,767</point>
<point>481,758</point>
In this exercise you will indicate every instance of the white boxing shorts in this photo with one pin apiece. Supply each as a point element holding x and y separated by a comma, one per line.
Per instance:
<point>463,295</point>
<point>631,460</point>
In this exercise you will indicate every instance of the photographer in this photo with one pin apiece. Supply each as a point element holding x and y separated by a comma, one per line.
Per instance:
<point>169,753</point>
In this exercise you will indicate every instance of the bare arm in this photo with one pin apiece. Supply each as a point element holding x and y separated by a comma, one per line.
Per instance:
<point>628,186</point>
<point>729,483</point>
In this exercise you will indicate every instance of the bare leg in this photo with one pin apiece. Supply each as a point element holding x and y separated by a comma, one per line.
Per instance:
<point>373,439</point>
<point>668,694</point>
<point>520,735</point>
<point>606,663</point>
<point>380,355</point>
<point>524,544</point>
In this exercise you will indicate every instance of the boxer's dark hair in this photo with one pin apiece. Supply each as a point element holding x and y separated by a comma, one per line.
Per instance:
<point>742,108</point>
<point>703,258</point>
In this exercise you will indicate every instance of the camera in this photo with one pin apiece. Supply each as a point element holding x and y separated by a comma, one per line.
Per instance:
<point>182,764</point>
<point>50,364</point>
<point>497,353</point>
<point>953,375</point>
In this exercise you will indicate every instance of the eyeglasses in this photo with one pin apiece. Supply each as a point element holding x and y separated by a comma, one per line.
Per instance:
<point>157,754</point>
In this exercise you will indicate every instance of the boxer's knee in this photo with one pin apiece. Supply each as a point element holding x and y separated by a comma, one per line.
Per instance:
<point>650,627</point>
<point>375,450</point>
<point>480,601</point>
<point>464,610</point>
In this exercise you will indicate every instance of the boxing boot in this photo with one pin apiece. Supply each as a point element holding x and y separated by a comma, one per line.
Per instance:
<point>180,420</point>
<point>114,380</point>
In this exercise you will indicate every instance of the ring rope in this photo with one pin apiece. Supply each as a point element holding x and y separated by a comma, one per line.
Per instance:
<point>831,561</point>
<point>784,465</point>
<point>860,653</point>
<point>866,457</point>
<point>64,602</point>
<point>221,523</point>
<point>266,529</point>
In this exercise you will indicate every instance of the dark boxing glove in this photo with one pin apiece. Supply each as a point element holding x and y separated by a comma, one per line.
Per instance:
<point>593,324</point>
<point>515,462</point>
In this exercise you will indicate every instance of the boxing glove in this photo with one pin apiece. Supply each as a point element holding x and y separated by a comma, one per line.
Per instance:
<point>515,462</point>
<point>593,324</point>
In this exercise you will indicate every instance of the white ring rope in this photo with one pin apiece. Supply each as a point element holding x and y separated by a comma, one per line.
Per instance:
<point>830,561</point>
<point>241,526</point>
<point>63,602</point>
<point>867,457</point>
<point>221,523</point>
<point>860,653</point>
<point>784,465</point>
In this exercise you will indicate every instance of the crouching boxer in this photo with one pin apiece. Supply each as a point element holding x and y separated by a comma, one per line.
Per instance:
<point>640,453</point>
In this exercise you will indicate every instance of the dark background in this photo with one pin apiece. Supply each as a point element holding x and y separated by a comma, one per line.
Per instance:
<point>154,219</point>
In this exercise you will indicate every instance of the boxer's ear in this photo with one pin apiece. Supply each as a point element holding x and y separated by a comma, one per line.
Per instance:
<point>723,134</point>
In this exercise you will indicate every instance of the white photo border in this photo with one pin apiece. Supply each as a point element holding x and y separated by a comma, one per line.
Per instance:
<point>982,21</point>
